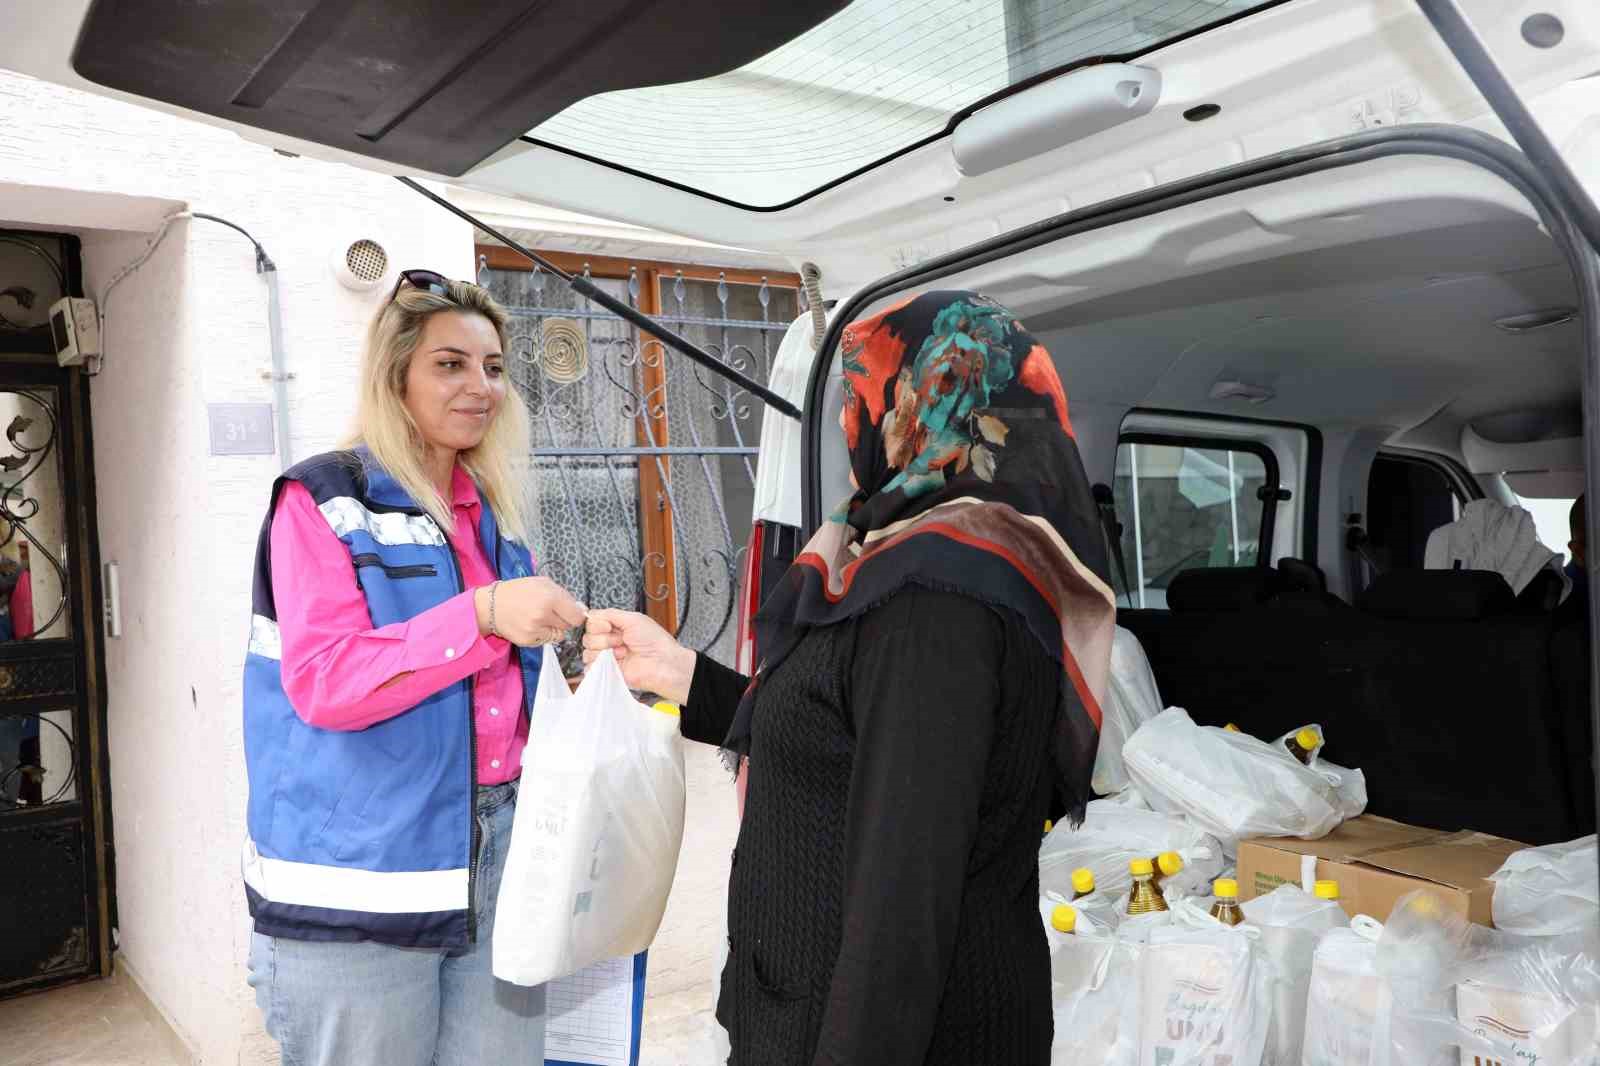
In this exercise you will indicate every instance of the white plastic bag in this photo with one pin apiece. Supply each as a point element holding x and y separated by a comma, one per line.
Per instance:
<point>1349,785</point>
<point>1203,996</point>
<point>1089,922</point>
<point>1234,785</point>
<point>1128,797</point>
<point>1095,986</point>
<point>1291,923</point>
<point>1537,1001</point>
<point>1348,1000</point>
<point>1486,995</point>
<point>594,844</point>
<point>1550,890</point>
<point>1133,701</point>
<point>1112,835</point>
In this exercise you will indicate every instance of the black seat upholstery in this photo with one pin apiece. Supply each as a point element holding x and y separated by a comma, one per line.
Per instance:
<point>1459,708</point>
<point>1437,595</point>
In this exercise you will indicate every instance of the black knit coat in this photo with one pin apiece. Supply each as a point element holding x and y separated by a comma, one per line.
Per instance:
<point>883,904</point>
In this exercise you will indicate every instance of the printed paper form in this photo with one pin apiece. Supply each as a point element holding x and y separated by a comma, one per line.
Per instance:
<point>591,1015</point>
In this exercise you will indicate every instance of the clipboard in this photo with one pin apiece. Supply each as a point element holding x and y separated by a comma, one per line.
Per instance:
<point>595,1017</point>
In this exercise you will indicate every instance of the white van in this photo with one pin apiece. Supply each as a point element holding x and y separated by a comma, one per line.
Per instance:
<point>1308,296</point>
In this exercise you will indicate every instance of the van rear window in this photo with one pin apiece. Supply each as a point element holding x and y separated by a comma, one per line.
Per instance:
<point>1184,506</point>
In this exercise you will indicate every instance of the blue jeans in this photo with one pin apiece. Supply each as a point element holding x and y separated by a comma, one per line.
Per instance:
<point>364,1004</point>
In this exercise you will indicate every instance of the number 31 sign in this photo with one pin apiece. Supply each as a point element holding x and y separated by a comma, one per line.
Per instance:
<point>241,429</point>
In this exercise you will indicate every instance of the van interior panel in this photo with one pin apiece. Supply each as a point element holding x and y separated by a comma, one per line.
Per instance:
<point>434,84</point>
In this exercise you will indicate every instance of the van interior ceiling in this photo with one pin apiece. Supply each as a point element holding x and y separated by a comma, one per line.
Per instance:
<point>1410,303</point>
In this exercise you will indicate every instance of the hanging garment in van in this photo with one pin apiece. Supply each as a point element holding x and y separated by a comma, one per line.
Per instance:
<point>1491,536</point>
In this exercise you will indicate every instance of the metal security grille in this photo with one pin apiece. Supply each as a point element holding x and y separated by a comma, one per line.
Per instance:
<point>643,464</point>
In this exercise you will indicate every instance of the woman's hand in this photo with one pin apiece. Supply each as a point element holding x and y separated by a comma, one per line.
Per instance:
<point>651,660</point>
<point>528,610</point>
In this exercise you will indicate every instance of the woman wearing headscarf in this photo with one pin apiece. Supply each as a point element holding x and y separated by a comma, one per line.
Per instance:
<point>931,673</point>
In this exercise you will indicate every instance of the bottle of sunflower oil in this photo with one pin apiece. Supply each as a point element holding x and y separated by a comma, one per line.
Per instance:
<point>1146,897</point>
<point>1226,909</point>
<point>1304,744</point>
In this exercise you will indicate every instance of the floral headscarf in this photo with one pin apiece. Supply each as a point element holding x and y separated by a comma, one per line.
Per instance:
<point>970,481</point>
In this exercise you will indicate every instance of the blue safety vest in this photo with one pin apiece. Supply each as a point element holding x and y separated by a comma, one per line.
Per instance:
<point>367,834</point>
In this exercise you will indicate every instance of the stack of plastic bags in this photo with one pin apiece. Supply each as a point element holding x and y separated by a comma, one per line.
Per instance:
<point>1304,986</point>
<point>1172,989</point>
<point>1428,988</point>
<point>1299,983</point>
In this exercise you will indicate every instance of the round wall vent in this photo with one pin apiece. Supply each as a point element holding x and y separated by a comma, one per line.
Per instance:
<point>361,265</point>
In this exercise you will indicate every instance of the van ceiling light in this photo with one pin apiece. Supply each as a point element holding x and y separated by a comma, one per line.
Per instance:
<point>1053,113</point>
<point>1532,320</point>
<point>1241,390</point>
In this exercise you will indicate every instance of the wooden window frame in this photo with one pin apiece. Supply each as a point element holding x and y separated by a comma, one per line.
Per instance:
<point>659,561</point>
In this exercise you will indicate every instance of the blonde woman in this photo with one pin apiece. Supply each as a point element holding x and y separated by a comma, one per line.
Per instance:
<point>393,654</point>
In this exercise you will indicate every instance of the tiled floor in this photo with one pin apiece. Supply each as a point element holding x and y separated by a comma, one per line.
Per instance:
<point>97,1023</point>
<point>681,986</point>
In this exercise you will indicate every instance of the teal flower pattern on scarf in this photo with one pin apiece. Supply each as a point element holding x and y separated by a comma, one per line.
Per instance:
<point>939,399</point>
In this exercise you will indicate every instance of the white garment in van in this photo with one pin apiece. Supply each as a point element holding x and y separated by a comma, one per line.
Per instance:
<point>1491,536</point>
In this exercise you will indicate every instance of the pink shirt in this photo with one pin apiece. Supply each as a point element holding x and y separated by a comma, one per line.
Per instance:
<point>336,666</point>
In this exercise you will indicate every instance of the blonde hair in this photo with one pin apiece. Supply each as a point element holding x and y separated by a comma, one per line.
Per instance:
<point>386,428</point>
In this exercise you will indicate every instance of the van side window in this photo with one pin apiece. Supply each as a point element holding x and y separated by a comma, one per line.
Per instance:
<point>1187,505</point>
<point>1407,499</point>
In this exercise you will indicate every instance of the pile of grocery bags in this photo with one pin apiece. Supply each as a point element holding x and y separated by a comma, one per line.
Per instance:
<point>1156,962</point>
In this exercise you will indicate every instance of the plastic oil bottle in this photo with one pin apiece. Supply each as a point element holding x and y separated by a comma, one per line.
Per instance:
<point>1146,897</point>
<point>1168,864</point>
<point>1304,744</point>
<point>1226,909</point>
<point>1082,883</point>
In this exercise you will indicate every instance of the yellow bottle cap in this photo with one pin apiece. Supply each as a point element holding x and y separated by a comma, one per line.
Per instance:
<point>1326,889</point>
<point>1083,879</point>
<point>1225,888</point>
<point>1141,867</point>
<point>1424,905</point>
<point>1048,825</point>
<point>1170,863</point>
<point>667,708</point>
<point>1230,727</point>
<point>1308,738</point>
<point>1064,919</point>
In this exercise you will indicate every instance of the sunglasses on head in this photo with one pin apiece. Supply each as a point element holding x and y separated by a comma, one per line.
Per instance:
<point>426,280</point>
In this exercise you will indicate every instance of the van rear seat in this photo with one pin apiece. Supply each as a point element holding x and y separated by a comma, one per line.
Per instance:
<point>1448,698</point>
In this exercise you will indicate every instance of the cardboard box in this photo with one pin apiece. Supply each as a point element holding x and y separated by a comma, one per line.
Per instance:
<point>1376,861</point>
